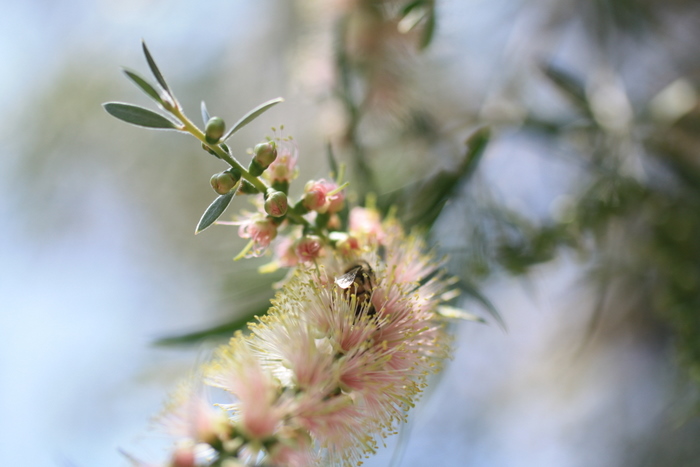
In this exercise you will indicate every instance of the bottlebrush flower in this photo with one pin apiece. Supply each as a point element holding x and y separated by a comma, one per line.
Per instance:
<point>330,370</point>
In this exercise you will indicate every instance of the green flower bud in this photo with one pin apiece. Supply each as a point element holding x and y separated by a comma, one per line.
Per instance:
<point>214,130</point>
<point>276,203</point>
<point>265,154</point>
<point>223,182</point>
<point>255,168</point>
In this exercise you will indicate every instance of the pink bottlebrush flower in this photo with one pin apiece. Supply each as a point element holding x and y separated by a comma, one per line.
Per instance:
<point>190,416</point>
<point>335,364</point>
<point>293,450</point>
<point>240,373</point>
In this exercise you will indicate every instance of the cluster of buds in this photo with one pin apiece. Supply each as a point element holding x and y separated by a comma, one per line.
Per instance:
<point>312,223</point>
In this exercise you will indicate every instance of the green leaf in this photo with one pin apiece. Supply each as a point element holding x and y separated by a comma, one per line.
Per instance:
<point>428,29</point>
<point>138,116</point>
<point>567,83</point>
<point>252,115</point>
<point>471,290</point>
<point>205,113</point>
<point>410,6</point>
<point>154,68</point>
<point>221,331</point>
<point>333,164</point>
<point>416,12</point>
<point>144,85</point>
<point>456,313</point>
<point>215,210</point>
<point>421,203</point>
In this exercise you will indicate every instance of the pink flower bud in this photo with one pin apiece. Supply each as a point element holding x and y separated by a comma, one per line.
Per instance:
<point>315,196</point>
<point>276,203</point>
<point>223,182</point>
<point>336,201</point>
<point>309,248</point>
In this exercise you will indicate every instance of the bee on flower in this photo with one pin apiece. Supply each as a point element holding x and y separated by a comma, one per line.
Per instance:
<point>331,370</point>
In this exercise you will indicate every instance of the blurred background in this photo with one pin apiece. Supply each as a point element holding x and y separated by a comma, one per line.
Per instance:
<point>575,233</point>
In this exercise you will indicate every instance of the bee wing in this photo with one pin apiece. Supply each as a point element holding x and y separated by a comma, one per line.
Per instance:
<point>347,279</point>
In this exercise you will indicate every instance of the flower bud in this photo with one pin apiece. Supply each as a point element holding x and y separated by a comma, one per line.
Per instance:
<point>223,182</point>
<point>255,169</point>
<point>276,203</point>
<point>309,248</point>
<point>214,130</point>
<point>265,154</point>
<point>315,196</point>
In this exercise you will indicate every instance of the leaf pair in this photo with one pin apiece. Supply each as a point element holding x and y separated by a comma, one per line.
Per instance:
<point>143,117</point>
<point>140,116</point>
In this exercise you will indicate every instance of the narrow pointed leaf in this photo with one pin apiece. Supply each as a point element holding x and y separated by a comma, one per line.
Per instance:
<point>144,85</point>
<point>138,116</point>
<point>205,113</point>
<point>331,160</point>
<point>428,29</point>
<point>221,331</point>
<point>426,198</point>
<point>154,68</point>
<point>571,86</point>
<point>456,313</point>
<point>250,116</point>
<point>471,290</point>
<point>409,7</point>
<point>215,210</point>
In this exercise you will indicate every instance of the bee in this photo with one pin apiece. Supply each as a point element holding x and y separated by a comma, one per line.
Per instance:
<point>358,280</point>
